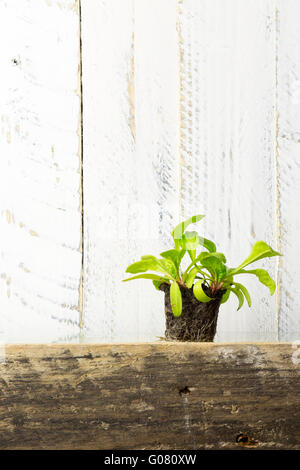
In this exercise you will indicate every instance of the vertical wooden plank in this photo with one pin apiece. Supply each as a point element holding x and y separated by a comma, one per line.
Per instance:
<point>227,140</point>
<point>130,85</point>
<point>288,168</point>
<point>108,157</point>
<point>40,218</point>
<point>156,85</point>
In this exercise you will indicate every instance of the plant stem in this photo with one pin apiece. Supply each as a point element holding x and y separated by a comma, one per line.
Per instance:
<point>193,263</point>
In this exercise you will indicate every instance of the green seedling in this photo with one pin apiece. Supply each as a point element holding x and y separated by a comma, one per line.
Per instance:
<point>207,271</point>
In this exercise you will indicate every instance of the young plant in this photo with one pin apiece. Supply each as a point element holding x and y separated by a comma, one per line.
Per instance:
<point>207,275</point>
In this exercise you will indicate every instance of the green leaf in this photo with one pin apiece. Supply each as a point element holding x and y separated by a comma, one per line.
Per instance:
<point>228,279</point>
<point>154,277</point>
<point>162,266</point>
<point>245,292</point>
<point>209,245</point>
<point>157,283</point>
<point>214,263</point>
<point>180,229</point>
<point>191,277</point>
<point>263,277</point>
<point>259,251</point>
<point>174,255</point>
<point>189,242</point>
<point>204,274</point>
<point>141,266</point>
<point>181,255</point>
<point>176,299</point>
<point>219,256</point>
<point>239,295</point>
<point>229,273</point>
<point>225,296</point>
<point>170,267</point>
<point>199,292</point>
<point>204,255</point>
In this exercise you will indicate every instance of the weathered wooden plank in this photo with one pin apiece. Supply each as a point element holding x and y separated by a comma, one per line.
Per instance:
<point>130,97</point>
<point>288,168</point>
<point>40,219</point>
<point>156,166</point>
<point>213,64</point>
<point>150,396</point>
<point>227,140</point>
<point>108,158</point>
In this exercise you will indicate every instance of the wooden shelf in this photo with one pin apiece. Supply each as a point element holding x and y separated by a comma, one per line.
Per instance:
<point>150,396</point>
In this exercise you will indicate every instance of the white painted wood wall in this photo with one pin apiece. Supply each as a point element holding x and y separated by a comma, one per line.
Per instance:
<point>119,118</point>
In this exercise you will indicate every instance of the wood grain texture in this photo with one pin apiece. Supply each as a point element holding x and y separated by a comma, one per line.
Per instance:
<point>189,106</point>
<point>130,85</point>
<point>176,122</point>
<point>128,396</point>
<point>108,156</point>
<point>288,167</point>
<point>40,216</point>
<point>227,145</point>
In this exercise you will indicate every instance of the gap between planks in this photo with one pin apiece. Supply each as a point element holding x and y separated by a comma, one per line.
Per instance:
<point>80,132</point>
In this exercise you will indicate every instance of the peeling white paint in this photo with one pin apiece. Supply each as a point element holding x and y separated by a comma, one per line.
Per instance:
<point>39,222</point>
<point>189,106</point>
<point>288,168</point>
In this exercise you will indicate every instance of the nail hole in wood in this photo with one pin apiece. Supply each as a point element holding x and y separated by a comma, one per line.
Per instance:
<point>184,391</point>
<point>242,438</point>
